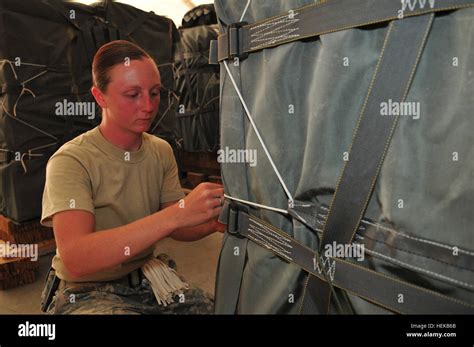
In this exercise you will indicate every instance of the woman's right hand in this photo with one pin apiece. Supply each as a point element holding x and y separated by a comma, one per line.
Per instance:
<point>202,204</point>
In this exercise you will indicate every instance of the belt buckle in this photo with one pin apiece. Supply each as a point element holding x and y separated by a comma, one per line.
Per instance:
<point>134,278</point>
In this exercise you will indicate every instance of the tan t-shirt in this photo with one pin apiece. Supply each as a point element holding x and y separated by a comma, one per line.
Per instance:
<point>118,187</point>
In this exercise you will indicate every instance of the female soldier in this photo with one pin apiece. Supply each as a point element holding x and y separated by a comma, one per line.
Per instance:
<point>113,192</point>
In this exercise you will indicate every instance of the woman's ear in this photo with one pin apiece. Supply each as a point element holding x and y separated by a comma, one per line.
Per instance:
<point>99,97</point>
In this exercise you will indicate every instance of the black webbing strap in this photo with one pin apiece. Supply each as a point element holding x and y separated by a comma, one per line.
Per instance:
<point>402,49</point>
<point>317,19</point>
<point>99,35</point>
<point>113,33</point>
<point>85,35</point>
<point>228,282</point>
<point>378,288</point>
<point>136,23</point>
<point>59,7</point>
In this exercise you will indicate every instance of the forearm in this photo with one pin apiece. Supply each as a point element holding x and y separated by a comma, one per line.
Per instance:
<point>100,250</point>
<point>194,233</point>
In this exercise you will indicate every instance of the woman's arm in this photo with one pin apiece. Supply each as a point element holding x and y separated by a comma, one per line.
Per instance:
<point>84,251</point>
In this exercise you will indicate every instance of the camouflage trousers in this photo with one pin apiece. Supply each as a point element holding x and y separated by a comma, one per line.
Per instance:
<point>119,297</point>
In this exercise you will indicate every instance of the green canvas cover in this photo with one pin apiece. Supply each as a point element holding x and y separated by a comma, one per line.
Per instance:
<point>305,98</point>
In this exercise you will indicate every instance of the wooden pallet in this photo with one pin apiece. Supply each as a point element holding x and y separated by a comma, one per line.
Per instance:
<point>29,232</point>
<point>16,272</point>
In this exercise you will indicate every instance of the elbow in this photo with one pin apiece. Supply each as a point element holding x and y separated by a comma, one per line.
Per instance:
<point>74,271</point>
<point>73,265</point>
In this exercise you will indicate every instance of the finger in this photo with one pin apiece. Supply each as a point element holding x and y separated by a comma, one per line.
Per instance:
<point>216,211</point>
<point>210,185</point>
<point>217,192</point>
<point>220,227</point>
<point>215,201</point>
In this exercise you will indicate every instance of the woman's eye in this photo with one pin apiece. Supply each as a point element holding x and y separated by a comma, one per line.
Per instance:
<point>132,95</point>
<point>154,94</point>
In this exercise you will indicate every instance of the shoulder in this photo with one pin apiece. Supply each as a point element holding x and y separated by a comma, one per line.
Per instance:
<point>79,150</point>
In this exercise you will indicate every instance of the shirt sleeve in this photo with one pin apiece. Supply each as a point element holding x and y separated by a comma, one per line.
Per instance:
<point>172,189</point>
<point>67,187</point>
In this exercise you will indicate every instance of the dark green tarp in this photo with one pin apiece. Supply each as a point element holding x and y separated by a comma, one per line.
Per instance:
<point>197,84</point>
<point>48,45</point>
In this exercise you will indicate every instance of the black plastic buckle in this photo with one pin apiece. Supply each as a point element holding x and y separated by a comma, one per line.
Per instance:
<point>235,42</point>
<point>135,278</point>
<point>233,221</point>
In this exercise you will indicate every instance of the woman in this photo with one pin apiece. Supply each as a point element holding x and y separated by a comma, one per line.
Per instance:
<point>113,192</point>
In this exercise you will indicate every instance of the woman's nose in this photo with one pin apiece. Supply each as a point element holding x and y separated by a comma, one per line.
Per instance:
<point>147,103</point>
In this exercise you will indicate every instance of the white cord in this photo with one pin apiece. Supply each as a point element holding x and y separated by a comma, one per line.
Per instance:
<point>256,205</point>
<point>249,116</point>
<point>245,10</point>
<point>261,142</point>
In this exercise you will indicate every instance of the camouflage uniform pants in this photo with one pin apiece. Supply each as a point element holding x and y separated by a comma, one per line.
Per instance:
<point>119,297</point>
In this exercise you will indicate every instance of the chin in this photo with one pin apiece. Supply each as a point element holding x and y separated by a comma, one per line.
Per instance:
<point>140,127</point>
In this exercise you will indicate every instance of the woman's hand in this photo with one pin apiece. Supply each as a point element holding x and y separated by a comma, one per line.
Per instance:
<point>201,205</point>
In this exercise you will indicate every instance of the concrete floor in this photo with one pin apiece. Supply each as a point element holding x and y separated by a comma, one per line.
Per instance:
<point>197,262</point>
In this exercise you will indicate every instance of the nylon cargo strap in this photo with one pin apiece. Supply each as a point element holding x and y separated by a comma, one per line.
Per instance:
<point>228,282</point>
<point>393,74</point>
<point>375,287</point>
<point>320,18</point>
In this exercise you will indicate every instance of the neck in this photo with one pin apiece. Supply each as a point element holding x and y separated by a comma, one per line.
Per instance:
<point>122,138</point>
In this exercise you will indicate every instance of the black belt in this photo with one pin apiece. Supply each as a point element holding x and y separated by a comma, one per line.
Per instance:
<point>135,278</point>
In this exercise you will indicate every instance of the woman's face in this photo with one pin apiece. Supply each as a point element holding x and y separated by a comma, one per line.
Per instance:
<point>132,98</point>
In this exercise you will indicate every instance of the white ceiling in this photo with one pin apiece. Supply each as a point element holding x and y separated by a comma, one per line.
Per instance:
<point>174,9</point>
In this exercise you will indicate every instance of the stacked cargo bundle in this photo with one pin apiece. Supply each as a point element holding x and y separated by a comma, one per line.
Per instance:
<point>197,83</point>
<point>197,87</point>
<point>46,52</point>
<point>45,78</point>
<point>361,201</point>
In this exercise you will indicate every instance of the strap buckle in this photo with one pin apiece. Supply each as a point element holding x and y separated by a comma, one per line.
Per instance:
<point>230,44</point>
<point>234,221</point>
<point>234,41</point>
